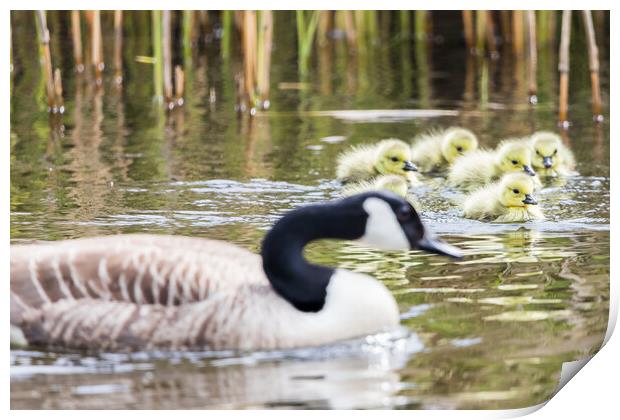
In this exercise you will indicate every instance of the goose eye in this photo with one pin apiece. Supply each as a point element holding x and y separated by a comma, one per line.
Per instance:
<point>516,191</point>
<point>394,159</point>
<point>514,162</point>
<point>403,213</point>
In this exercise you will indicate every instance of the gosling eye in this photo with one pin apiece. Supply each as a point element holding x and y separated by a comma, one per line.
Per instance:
<point>394,159</point>
<point>538,153</point>
<point>516,191</point>
<point>515,162</point>
<point>403,213</point>
<point>555,152</point>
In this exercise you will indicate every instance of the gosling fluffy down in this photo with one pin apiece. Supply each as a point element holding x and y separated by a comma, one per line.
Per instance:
<point>438,149</point>
<point>478,168</point>
<point>394,183</point>
<point>390,156</point>
<point>550,157</point>
<point>508,200</point>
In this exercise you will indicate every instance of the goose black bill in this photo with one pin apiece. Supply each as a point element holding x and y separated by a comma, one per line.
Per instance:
<point>435,245</point>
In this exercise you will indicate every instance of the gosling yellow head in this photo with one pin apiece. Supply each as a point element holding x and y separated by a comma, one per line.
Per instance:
<point>545,150</point>
<point>394,157</point>
<point>456,142</point>
<point>517,190</point>
<point>396,184</point>
<point>514,156</point>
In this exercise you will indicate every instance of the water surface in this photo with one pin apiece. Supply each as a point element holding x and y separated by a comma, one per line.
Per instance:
<point>490,331</point>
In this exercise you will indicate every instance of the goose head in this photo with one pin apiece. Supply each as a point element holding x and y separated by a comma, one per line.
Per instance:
<point>379,219</point>
<point>391,223</point>
<point>394,157</point>
<point>545,147</point>
<point>515,156</point>
<point>516,190</point>
<point>456,142</point>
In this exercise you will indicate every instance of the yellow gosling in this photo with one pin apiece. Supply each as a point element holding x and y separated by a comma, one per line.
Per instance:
<point>388,157</point>
<point>438,149</point>
<point>550,157</point>
<point>508,200</point>
<point>394,183</point>
<point>478,168</point>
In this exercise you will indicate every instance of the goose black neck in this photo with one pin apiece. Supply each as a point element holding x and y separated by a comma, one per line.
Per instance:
<point>301,283</point>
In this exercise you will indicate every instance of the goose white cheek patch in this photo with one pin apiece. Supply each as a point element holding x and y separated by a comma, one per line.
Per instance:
<point>382,228</point>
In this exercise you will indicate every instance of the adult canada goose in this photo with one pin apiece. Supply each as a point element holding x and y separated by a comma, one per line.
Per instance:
<point>508,200</point>
<point>390,156</point>
<point>478,168</point>
<point>550,157</point>
<point>141,292</point>
<point>437,149</point>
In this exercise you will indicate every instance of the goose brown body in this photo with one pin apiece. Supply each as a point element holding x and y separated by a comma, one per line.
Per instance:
<point>131,291</point>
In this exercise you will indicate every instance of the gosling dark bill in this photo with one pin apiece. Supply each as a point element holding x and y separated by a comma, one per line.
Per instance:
<point>528,170</point>
<point>410,166</point>
<point>529,200</point>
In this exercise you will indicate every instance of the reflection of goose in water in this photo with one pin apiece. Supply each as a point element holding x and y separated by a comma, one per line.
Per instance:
<point>146,291</point>
<point>356,374</point>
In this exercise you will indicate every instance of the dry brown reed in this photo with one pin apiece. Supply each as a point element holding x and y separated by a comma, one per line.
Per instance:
<point>594,65</point>
<point>564,68</point>
<point>97,47</point>
<point>76,34</point>
<point>532,55</point>
<point>118,47</point>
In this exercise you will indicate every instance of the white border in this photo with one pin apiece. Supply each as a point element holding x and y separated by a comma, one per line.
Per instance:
<point>594,392</point>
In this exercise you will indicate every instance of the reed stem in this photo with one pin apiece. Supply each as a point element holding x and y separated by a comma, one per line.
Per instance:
<point>157,54</point>
<point>481,30</point>
<point>76,34</point>
<point>227,29</point>
<point>349,28</point>
<point>118,47</point>
<point>468,29</point>
<point>532,55</point>
<point>59,101</point>
<point>517,32</point>
<point>179,85</point>
<point>306,30</point>
<point>594,65</point>
<point>265,42</point>
<point>97,47</point>
<point>167,57</point>
<point>249,56</point>
<point>188,36</point>
<point>490,33</point>
<point>505,20</point>
<point>563,67</point>
<point>44,39</point>
<point>325,17</point>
